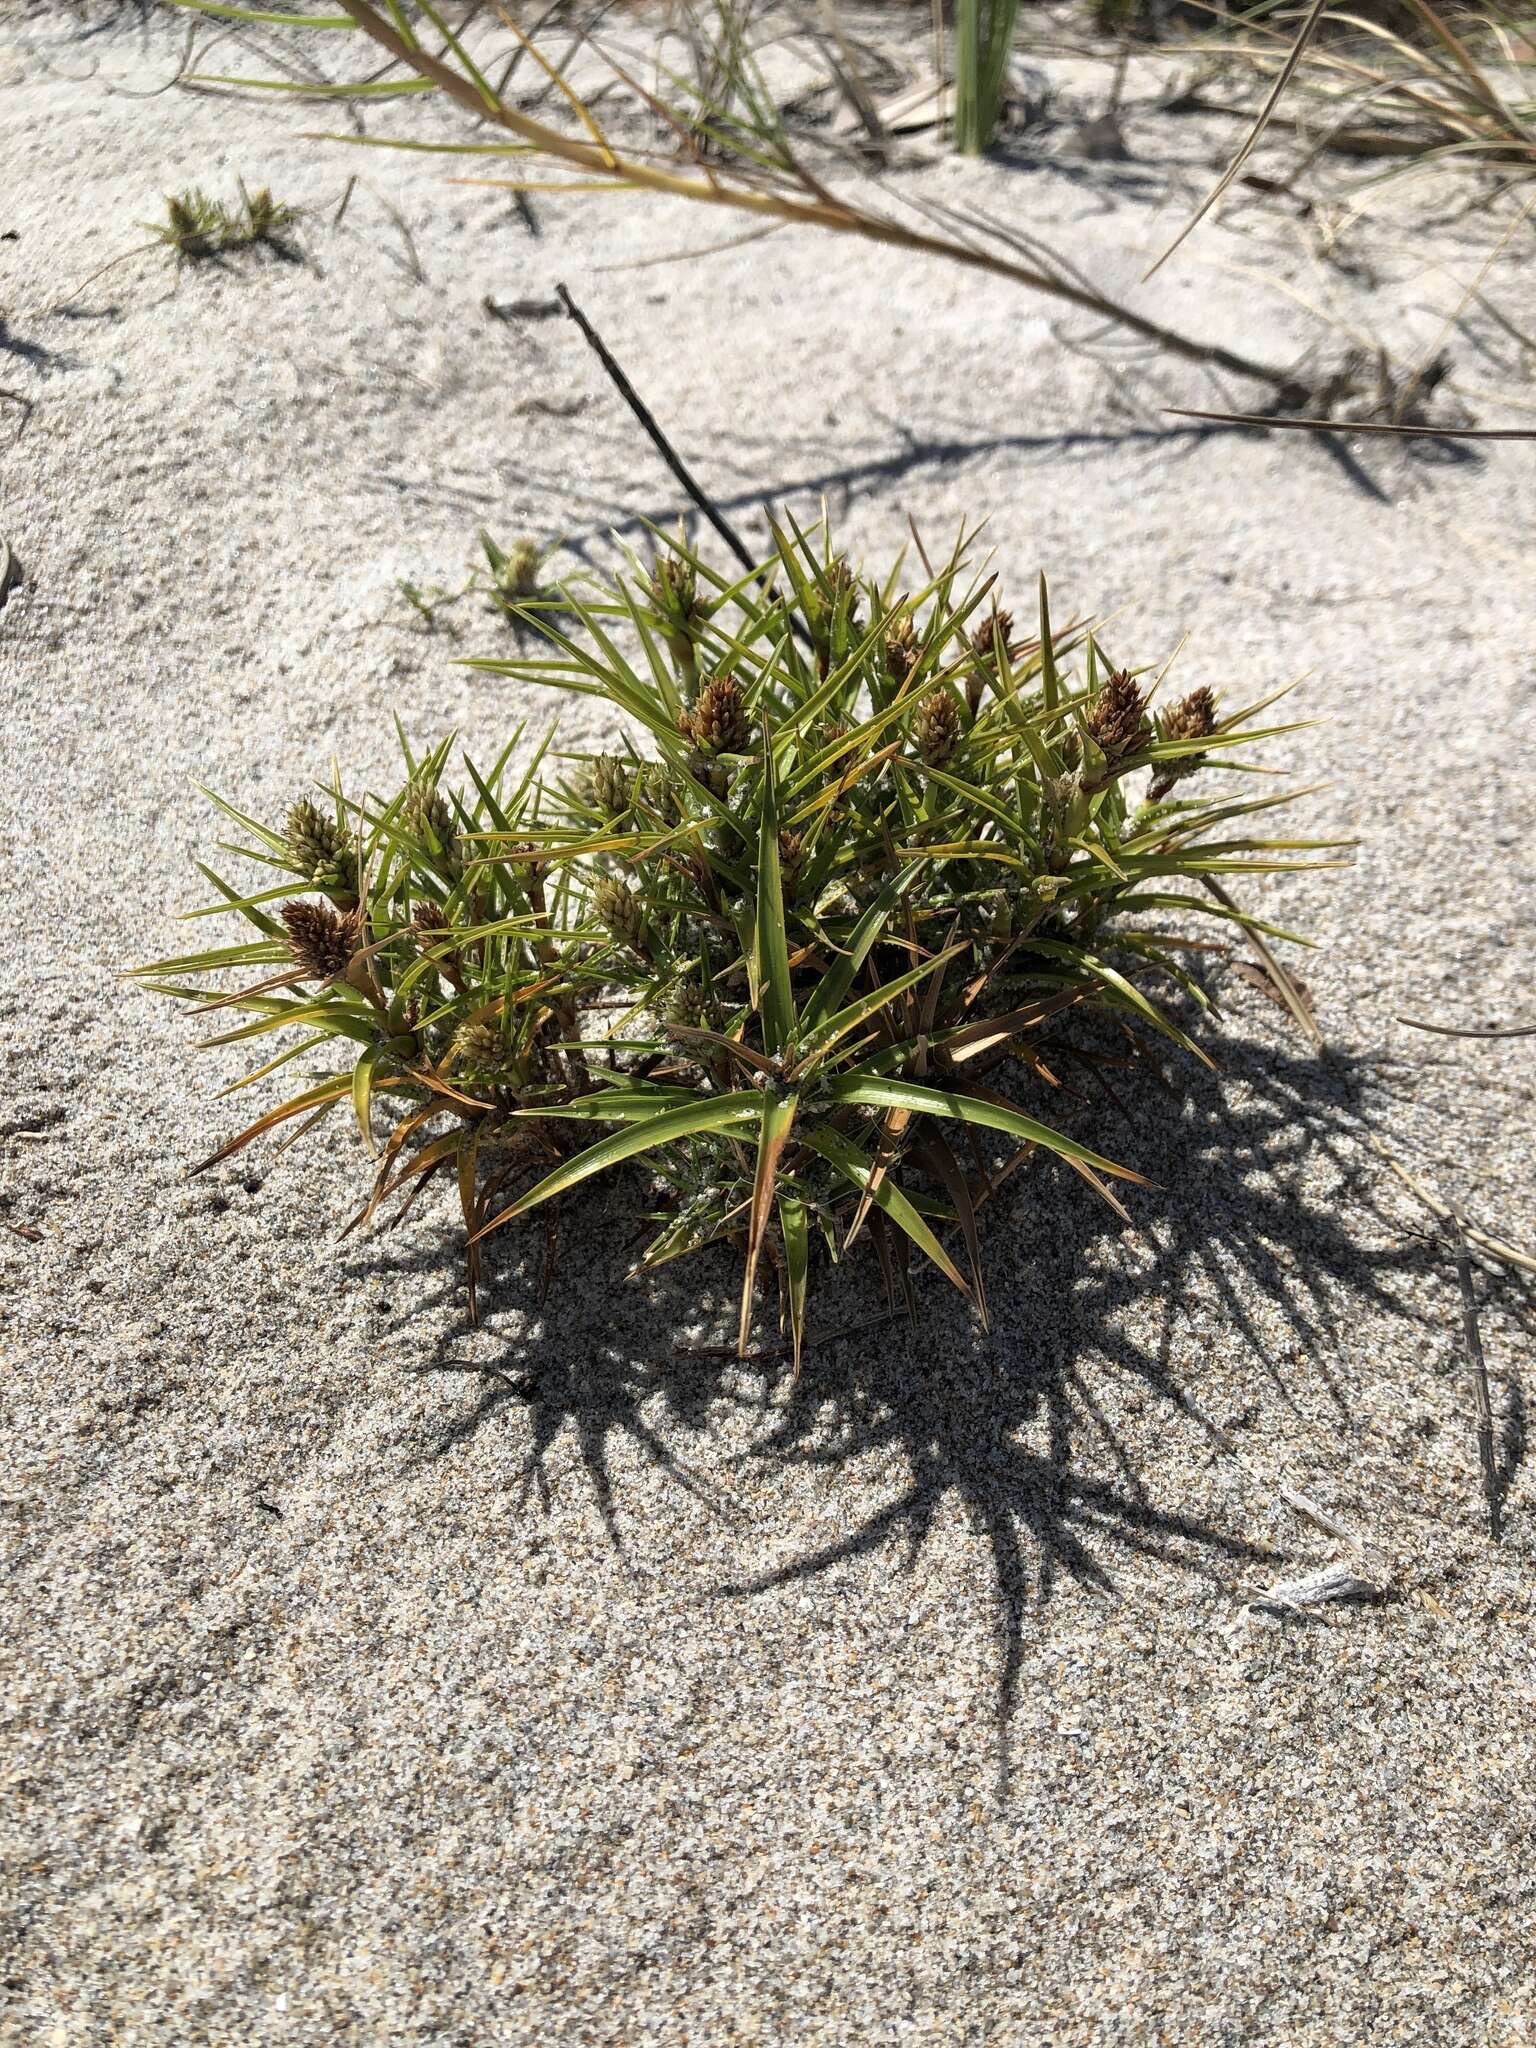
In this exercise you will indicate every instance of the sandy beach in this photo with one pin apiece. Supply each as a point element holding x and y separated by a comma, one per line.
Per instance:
<point>369,1679</point>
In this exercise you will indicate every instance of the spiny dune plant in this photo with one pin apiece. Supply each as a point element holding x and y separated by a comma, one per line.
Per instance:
<point>868,848</point>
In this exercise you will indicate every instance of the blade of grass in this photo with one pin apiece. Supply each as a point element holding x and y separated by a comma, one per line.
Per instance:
<point>713,1114</point>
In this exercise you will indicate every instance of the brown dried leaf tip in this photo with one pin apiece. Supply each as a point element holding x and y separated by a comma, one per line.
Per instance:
<point>936,728</point>
<point>998,625</point>
<point>322,941</point>
<point>1192,718</point>
<point>1118,719</point>
<point>718,722</point>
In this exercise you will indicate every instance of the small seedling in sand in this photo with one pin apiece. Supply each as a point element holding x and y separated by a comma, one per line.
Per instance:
<point>429,601</point>
<point>512,579</point>
<point>516,574</point>
<point>878,850</point>
<point>199,228</point>
<point>193,225</point>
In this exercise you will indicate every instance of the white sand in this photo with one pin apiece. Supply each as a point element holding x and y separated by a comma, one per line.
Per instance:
<point>632,1702</point>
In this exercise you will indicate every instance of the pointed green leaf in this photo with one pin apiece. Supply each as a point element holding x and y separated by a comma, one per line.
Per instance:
<point>838,979</point>
<point>687,1121</point>
<point>857,1167</point>
<point>772,941</point>
<point>797,1260</point>
<point>362,1095</point>
<point>884,1091</point>
<point>773,1134</point>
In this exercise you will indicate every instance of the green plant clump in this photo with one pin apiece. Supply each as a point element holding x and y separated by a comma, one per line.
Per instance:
<point>876,846</point>
<point>199,228</point>
<point>984,33</point>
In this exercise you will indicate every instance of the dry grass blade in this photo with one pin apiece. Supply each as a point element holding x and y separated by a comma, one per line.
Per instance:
<point>778,1120</point>
<point>1379,427</point>
<point>1467,64</point>
<point>657,438</point>
<point>1250,142</point>
<point>1290,991</point>
<point>1496,1248</point>
<point>1426,99</point>
<point>782,190</point>
<point>1335,1585</point>
<point>1482,1404</point>
<point>1470,1030</point>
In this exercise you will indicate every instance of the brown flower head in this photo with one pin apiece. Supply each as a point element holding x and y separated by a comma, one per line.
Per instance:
<point>936,728</point>
<point>1192,718</point>
<point>322,940</point>
<point>842,584</point>
<point>997,625</point>
<point>675,591</point>
<point>1118,718</point>
<point>901,650</point>
<point>718,722</point>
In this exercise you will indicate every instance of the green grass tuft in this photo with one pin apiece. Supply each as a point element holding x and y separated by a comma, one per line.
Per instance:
<point>200,229</point>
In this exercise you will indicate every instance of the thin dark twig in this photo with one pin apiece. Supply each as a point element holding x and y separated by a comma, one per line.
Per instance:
<point>658,439</point>
<point>1482,1404</point>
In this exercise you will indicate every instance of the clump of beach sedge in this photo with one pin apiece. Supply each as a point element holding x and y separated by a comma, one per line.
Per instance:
<point>875,848</point>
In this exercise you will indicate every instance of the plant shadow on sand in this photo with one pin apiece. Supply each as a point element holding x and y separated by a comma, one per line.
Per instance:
<point>1266,1209</point>
<point>907,455</point>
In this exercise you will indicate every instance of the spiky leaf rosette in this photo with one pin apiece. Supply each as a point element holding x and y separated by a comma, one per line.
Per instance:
<point>841,946</point>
